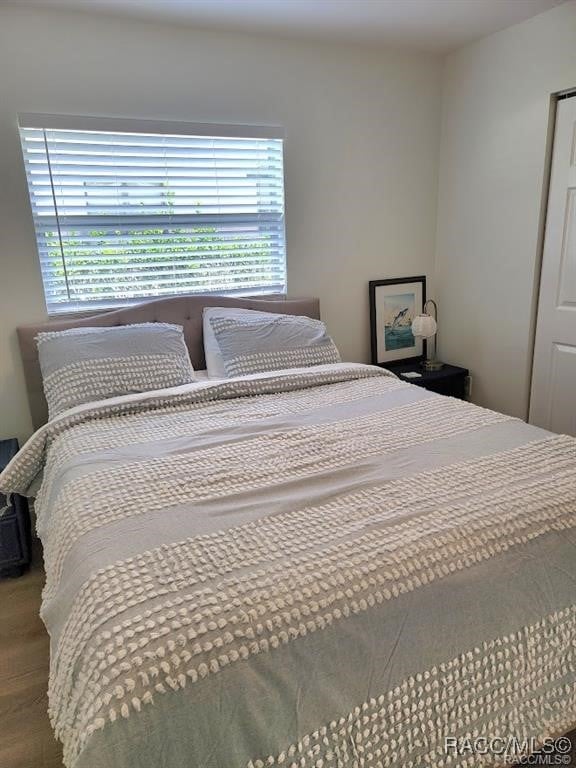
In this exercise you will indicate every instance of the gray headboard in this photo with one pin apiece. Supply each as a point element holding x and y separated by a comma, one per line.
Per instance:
<point>182,310</point>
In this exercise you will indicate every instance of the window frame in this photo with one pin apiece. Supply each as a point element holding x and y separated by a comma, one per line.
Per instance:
<point>48,122</point>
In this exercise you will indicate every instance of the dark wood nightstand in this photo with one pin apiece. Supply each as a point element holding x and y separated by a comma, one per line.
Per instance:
<point>14,524</point>
<point>449,380</point>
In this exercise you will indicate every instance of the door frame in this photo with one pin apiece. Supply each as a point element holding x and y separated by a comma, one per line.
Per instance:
<point>550,132</point>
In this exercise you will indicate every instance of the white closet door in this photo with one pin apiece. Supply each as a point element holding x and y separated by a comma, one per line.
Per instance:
<point>553,395</point>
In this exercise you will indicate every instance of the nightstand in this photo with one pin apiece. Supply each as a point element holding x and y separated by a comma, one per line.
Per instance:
<point>14,524</point>
<point>449,380</point>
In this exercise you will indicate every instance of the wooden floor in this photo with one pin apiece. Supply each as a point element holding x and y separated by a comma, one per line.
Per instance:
<point>26,739</point>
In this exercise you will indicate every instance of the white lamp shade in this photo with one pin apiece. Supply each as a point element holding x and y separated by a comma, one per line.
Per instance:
<point>424,326</point>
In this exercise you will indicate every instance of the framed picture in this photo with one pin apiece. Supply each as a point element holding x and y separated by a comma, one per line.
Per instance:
<point>393,305</point>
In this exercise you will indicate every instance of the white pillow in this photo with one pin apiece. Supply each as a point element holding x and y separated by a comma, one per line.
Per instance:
<point>214,361</point>
<point>240,342</point>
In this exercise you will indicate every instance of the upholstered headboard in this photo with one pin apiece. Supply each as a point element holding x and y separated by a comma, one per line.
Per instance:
<point>182,310</point>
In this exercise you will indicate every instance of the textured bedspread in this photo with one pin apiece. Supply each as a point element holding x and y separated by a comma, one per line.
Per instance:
<point>318,568</point>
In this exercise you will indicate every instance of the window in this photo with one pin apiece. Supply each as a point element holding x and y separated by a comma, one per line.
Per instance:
<point>125,211</point>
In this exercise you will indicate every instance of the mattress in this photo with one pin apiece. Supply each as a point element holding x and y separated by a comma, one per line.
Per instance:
<point>319,567</point>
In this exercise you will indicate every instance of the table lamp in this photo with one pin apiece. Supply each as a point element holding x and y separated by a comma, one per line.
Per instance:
<point>425,326</point>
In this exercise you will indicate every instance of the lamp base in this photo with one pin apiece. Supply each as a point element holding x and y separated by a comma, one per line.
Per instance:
<point>431,365</point>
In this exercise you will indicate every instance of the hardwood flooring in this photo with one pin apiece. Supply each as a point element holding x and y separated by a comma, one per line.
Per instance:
<point>26,739</point>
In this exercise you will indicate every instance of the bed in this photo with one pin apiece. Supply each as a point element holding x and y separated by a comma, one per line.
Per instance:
<point>306,568</point>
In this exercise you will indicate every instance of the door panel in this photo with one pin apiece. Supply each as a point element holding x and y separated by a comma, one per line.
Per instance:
<point>553,394</point>
<point>561,411</point>
<point>567,282</point>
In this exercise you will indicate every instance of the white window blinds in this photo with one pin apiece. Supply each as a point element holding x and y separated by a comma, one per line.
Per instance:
<point>122,215</point>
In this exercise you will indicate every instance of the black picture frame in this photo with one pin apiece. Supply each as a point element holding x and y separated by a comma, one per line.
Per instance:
<point>393,289</point>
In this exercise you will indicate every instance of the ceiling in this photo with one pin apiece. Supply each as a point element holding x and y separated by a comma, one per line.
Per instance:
<point>434,25</point>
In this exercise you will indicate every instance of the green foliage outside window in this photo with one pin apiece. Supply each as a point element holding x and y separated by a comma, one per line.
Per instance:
<point>188,252</point>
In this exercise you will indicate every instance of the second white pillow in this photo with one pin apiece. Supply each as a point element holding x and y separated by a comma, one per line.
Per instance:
<point>240,342</point>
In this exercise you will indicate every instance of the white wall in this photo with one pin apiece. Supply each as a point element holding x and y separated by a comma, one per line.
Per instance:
<point>361,152</point>
<point>492,175</point>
